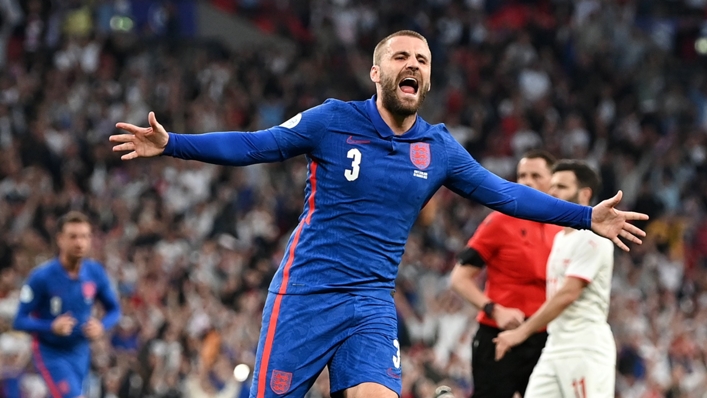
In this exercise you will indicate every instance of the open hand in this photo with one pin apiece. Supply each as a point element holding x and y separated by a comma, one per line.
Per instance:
<point>611,223</point>
<point>142,142</point>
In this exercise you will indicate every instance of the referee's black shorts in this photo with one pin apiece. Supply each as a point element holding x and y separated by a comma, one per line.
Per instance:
<point>504,378</point>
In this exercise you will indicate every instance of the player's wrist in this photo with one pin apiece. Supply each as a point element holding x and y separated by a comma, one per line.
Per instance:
<point>170,143</point>
<point>489,308</point>
<point>525,331</point>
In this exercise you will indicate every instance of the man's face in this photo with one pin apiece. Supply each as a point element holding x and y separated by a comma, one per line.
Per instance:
<point>563,185</point>
<point>75,240</point>
<point>534,173</point>
<point>403,74</point>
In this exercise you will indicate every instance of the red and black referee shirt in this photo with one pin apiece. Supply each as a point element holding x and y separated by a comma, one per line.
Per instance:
<point>515,253</point>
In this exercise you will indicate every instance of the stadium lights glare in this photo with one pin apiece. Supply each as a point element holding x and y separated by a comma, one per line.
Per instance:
<point>124,24</point>
<point>241,372</point>
<point>701,46</point>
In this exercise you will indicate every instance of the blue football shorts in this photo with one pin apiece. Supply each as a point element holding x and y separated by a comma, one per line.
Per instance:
<point>354,335</point>
<point>62,371</point>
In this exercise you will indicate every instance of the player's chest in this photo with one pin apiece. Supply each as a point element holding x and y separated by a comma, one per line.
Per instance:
<point>557,266</point>
<point>559,261</point>
<point>556,269</point>
<point>70,295</point>
<point>359,166</point>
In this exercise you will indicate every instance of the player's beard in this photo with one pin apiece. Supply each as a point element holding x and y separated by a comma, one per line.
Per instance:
<point>76,255</point>
<point>393,103</point>
<point>575,198</point>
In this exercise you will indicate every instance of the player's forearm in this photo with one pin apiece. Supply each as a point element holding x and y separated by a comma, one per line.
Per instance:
<point>523,202</point>
<point>548,312</point>
<point>111,318</point>
<point>230,148</point>
<point>462,283</point>
<point>28,324</point>
<point>112,308</point>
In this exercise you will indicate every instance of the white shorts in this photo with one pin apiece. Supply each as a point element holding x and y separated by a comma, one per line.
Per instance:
<point>587,374</point>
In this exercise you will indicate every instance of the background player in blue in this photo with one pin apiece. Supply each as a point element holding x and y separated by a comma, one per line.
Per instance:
<point>372,167</point>
<point>55,306</point>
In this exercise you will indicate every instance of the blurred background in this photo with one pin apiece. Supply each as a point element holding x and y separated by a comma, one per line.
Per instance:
<point>191,248</point>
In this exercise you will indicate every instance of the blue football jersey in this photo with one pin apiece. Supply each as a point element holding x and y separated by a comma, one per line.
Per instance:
<point>50,292</point>
<point>365,189</point>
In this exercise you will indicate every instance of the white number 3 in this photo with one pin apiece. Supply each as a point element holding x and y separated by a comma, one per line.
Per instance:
<point>396,357</point>
<point>354,154</point>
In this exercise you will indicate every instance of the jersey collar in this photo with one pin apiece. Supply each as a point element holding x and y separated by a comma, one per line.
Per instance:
<point>382,128</point>
<point>60,268</point>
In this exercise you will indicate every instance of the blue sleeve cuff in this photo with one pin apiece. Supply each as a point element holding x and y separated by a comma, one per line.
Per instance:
<point>587,218</point>
<point>169,149</point>
<point>521,201</point>
<point>111,319</point>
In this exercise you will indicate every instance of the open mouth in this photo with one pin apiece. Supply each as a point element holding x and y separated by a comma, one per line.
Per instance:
<point>409,85</point>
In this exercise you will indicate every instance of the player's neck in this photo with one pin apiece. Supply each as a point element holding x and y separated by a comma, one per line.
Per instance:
<point>398,124</point>
<point>71,265</point>
<point>569,230</point>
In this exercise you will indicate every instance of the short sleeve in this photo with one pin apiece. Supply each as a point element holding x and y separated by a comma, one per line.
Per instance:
<point>486,238</point>
<point>587,259</point>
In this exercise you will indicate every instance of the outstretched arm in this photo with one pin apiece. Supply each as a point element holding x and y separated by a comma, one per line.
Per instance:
<point>231,148</point>
<point>468,178</point>
<point>521,201</point>
<point>299,135</point>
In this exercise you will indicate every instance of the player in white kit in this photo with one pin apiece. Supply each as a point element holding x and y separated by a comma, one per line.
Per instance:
<point>579,358</point>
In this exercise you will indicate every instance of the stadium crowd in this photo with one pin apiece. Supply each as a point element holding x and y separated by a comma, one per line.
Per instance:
<point>191,248</point>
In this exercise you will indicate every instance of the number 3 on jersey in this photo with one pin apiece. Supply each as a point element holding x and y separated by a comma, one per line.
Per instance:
<point>396,357</point>
<point>352,174</point>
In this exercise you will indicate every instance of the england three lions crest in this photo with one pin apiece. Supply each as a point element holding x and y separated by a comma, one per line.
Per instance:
<point>280,381</point>
<point>420,155</point>
<point>89,291</point>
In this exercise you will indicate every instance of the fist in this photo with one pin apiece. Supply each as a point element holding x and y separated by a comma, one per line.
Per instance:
<point>93,329</point>
<point>63,325</point>
<point>507,318</point>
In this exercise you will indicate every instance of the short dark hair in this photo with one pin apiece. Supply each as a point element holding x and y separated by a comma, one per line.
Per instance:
<point>586,176</point>
<point>541,154</point>
<point>377,52</point>
<point>72,217</point>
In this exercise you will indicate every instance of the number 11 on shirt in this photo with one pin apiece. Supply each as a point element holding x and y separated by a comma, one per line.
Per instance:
<point>580,389</point>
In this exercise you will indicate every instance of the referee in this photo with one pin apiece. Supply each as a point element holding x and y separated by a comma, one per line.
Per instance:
<point>515,253</point>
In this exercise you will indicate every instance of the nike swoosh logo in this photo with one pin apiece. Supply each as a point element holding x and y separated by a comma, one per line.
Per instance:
<point>392,374</point>
<point>351,141</point>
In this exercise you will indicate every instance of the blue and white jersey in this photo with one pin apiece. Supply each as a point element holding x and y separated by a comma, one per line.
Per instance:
<point>365,189</point>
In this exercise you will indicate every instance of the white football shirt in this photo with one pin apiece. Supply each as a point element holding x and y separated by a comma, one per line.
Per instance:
<point>583,325</point>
